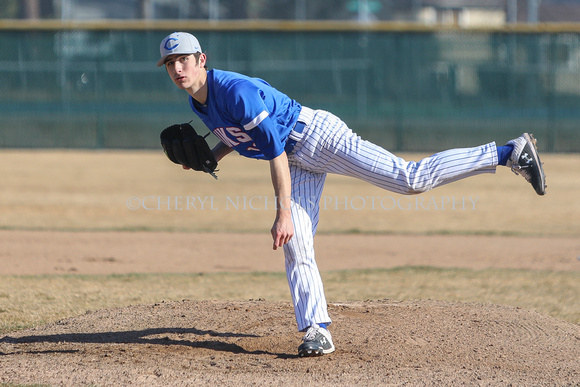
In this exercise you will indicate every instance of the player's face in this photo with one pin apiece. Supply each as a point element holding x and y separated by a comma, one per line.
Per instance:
<point>186,72</point>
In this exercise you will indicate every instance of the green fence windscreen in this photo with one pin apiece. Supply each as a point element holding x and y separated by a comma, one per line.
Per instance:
<point>408,91</point>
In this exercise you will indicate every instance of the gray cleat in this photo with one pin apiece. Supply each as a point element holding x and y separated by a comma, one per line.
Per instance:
<point>525,161</point>
<point>316,342</point>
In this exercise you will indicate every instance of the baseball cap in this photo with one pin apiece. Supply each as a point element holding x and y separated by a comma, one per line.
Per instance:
<point>178,43</point>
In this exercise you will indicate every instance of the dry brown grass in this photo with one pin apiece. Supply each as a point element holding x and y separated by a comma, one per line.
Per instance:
<point>32,300</point>
<point>90,190</point>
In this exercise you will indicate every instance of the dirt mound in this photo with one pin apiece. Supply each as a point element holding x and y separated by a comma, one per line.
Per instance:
<point>254,342</point>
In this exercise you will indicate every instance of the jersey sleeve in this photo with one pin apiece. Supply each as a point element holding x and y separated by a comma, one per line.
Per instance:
<point>251,109</point>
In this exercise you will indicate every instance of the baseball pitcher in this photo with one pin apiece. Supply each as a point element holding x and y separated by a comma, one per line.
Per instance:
<point>302,146</point>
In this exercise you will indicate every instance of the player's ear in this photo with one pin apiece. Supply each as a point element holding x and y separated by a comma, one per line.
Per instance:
<point>202,60</point>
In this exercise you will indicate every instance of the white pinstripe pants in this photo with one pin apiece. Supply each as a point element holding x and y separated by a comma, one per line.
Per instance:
<point>327,145</point>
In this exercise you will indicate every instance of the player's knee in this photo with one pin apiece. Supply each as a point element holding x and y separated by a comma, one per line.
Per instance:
<point>416,189</point>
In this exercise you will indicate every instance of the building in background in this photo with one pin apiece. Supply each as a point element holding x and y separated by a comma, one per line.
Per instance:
<point>464,13</point>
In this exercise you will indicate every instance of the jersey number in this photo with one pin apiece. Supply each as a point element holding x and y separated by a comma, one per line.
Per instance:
<point>237,133</point>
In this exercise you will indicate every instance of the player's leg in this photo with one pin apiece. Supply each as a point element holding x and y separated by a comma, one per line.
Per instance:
<point>301,268</point>
<point>302,271</point>
<point>383,169</point>
<point>328,145</point>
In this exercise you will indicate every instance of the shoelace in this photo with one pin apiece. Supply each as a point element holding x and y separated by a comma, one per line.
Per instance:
<point>311,333</point>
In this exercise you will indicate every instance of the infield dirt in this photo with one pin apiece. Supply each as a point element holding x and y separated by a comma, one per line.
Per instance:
<point>64,212</point>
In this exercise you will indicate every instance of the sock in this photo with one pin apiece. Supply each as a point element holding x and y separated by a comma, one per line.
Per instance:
<point>503,153</point>
<point>322,325</point>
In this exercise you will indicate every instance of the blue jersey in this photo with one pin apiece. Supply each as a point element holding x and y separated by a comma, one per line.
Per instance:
<point>247,114</point>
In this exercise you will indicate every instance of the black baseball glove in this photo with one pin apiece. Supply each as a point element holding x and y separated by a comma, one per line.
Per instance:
<point>184,146</point>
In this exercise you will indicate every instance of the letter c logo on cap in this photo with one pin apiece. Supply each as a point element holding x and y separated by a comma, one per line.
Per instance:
<point>169,45</point>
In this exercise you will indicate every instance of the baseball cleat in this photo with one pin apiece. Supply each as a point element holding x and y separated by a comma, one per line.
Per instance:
<point>316,342</point>
<point>525,161</point>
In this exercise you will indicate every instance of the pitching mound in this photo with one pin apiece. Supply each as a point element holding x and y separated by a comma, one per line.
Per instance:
<point>229,343</point>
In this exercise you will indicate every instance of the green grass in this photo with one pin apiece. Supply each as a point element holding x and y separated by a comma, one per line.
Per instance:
<point>27,301</point>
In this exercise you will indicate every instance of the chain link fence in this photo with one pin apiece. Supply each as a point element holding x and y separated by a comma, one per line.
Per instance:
<point>408,87</point>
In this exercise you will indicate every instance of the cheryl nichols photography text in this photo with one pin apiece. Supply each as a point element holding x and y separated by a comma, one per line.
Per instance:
<point>327,203</point>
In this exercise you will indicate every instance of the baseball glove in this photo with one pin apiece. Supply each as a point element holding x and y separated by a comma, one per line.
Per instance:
<point>184,146</point>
